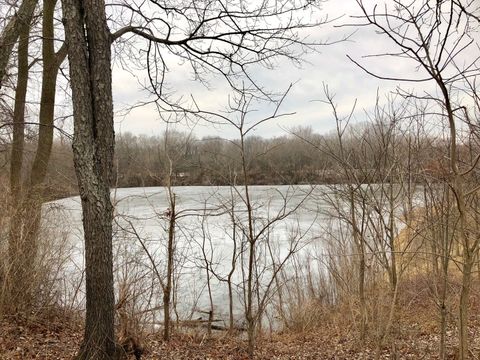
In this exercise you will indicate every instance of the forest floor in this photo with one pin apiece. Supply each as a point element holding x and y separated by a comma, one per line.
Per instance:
<point>329,334</point>
<point>59,336</point>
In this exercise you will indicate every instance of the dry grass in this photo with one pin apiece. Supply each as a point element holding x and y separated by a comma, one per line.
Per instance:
<point>59,336</point>
<point>30,280</point>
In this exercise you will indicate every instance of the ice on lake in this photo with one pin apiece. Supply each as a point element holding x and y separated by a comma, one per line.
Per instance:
<point>204,237</point>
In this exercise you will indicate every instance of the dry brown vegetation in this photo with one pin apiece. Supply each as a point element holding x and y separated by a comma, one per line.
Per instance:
<point>321,332</point>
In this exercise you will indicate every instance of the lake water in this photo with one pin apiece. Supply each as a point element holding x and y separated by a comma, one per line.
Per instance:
<point>286,219</point>
<point>204,232</point>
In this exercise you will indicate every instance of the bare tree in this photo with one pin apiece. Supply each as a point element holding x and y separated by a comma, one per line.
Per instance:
<point>255,229</point>
<point>88,43</point>
<point>439,224</point>
<point>230,205</point>
<point>437,38</point>
<point>371,209</point>
<point>18,271</point>
<point>28,194</point>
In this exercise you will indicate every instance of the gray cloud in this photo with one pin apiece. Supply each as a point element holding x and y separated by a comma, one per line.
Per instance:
<point>330,66</point>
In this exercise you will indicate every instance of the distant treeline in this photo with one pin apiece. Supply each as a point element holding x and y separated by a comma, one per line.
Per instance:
<point>147,161</point>
<point>299,157</point>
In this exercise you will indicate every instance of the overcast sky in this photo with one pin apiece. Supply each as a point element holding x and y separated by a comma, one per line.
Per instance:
<point>329,66</point>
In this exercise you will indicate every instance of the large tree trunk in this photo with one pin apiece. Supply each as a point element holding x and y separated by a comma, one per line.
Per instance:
<point>11,32</point>
<point>90,73</point>
<point>16,280</point>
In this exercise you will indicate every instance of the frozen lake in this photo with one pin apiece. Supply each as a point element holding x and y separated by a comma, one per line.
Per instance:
<point>286,219</point>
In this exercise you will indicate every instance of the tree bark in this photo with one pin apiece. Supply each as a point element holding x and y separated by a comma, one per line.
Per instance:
<point>11,32</point>
<point>51,63</point>
<point>93,145</point>
<point>17,286</point>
